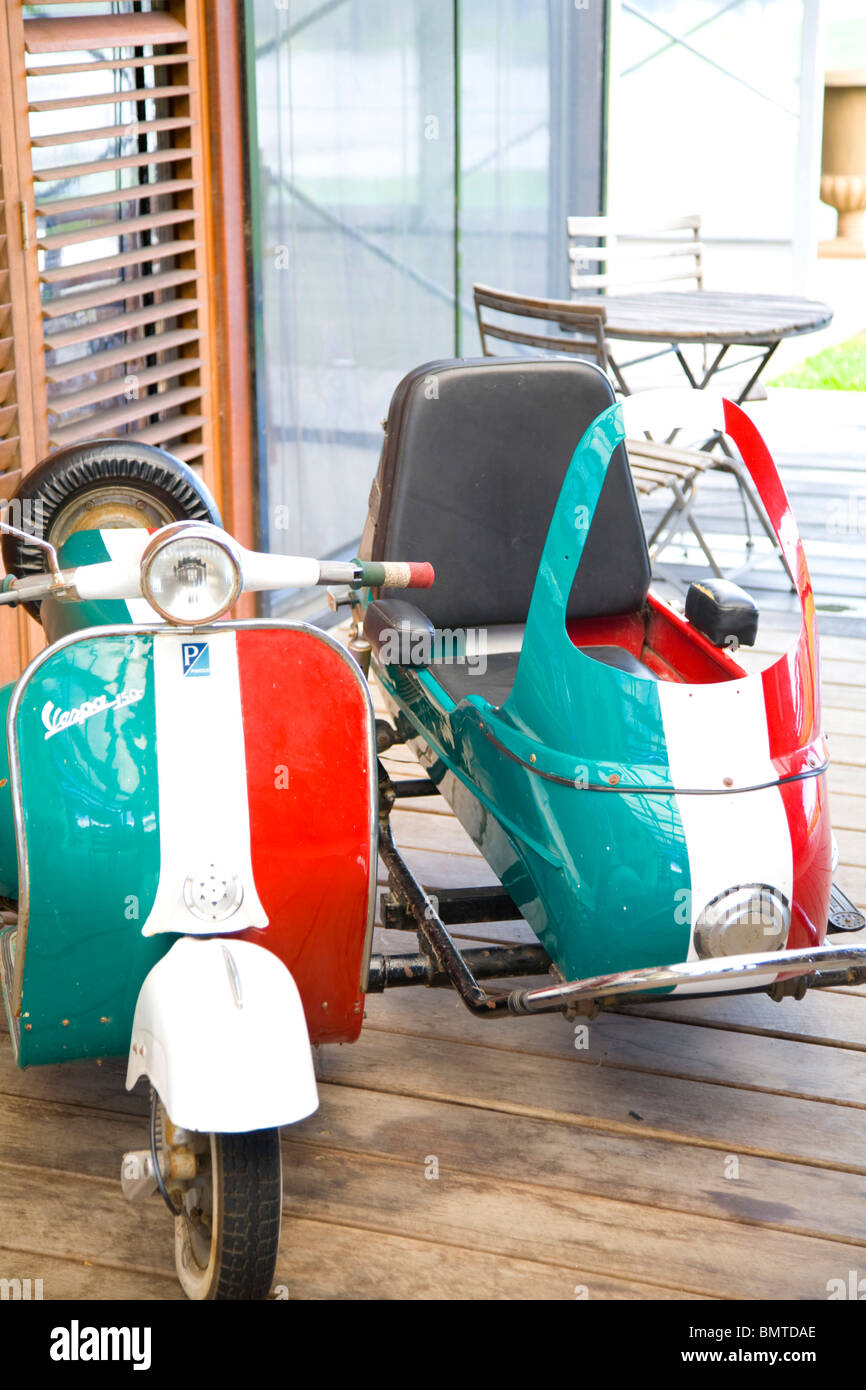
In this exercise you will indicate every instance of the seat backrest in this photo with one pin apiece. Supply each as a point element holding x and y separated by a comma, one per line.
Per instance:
<point>578,329</point>
<point>474,458</point>
<point>634,258</point>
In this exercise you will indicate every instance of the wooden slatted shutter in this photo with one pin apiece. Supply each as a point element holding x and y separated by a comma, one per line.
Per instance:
<point>17,428</point>
<point>10,427</point>
<point>111,134</point>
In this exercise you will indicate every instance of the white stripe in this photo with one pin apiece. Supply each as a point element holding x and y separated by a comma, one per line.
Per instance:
<point>125,546</point>
<point>203,803</point>
<point>659,412</point>
<point>715,732</point>
<point>264,571</point>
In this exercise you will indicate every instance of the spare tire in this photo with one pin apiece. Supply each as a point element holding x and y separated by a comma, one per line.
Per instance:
<point>101,485</point>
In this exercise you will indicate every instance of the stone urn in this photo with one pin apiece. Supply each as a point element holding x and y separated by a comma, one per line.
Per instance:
<point>843,160</point>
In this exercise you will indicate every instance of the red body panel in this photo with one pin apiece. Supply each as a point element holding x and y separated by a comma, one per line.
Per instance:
<point>307,733</point>
<point>791,690</point>
<point>806,808</point>
<point>792,699</point>
<point>667,644</point>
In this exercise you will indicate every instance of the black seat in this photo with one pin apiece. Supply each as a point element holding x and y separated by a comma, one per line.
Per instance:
<point>496,680</point>
<point>474,457</point>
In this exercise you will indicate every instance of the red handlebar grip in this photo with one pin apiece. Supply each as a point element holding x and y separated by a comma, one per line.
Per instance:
<point>395,574</point>
<point>421,575</point>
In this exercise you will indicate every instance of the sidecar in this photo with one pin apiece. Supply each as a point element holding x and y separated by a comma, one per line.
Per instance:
<point>658,815</point>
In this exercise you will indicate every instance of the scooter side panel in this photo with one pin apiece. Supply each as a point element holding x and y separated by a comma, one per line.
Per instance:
<point>83,738</point>
<point>312,795</point>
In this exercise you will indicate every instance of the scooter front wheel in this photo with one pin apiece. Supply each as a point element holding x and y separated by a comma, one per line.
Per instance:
<point>228,1232</point>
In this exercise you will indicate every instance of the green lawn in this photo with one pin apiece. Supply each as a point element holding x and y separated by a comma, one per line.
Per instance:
<point>841,368</point>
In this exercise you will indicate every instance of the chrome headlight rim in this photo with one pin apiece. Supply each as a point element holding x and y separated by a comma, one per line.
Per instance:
<point>190,530</point>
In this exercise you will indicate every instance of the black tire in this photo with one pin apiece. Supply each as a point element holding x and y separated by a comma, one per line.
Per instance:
<point>157,484</point>
<point>234,1256</point>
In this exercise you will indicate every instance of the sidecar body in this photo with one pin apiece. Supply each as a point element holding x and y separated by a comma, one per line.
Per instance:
<point>644,801</point>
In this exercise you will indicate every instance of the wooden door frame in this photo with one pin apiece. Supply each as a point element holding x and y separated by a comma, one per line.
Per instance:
<point>229,234</point>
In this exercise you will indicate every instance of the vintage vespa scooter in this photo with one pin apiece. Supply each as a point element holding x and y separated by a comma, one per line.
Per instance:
<point>188,828</point>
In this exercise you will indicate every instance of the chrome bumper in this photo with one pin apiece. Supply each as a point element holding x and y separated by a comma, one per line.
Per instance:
<point>818,961</point>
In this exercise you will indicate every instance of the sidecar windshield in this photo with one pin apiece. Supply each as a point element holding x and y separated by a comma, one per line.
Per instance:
<point>600,695</point>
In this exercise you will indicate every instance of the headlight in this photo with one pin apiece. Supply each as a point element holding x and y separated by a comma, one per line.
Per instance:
<point>190,572</point>
<point>752,917</point>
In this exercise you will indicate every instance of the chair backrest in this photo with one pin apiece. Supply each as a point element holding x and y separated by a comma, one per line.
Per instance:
<point>474,457</point>
<point>579,329</point>
<point>634,258</point>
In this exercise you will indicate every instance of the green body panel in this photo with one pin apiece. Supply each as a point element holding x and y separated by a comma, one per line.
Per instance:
<point>90,808</point>
<point>59,616</point>
<point>597,872</point>
<point>8,849</point>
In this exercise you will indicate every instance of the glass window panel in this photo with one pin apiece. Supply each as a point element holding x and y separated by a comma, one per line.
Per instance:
<point>363,229</point>
<point>706,114</point>
<point>356,191</point>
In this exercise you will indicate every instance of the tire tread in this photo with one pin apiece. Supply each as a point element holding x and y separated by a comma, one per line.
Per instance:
<point>250,1207</point>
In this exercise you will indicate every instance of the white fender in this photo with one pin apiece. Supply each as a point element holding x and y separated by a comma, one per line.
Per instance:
<point>219,1030</point>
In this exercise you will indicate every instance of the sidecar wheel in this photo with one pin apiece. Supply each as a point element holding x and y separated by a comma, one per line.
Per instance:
<point>226,1240</point>
<point>102,485</point>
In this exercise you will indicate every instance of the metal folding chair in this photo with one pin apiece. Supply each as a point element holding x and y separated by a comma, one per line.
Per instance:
<point>577,330</point>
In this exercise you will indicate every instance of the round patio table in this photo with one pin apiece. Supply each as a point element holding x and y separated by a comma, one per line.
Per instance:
<point>710,317</point>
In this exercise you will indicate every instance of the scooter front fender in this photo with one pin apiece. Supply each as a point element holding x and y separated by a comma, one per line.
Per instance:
<point>220,1033</point>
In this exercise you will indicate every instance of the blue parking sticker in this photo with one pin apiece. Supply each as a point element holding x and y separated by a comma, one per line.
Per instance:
<point>196,659</point>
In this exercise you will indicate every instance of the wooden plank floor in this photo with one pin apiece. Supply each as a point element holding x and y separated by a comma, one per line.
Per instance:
<point>709,1150</point>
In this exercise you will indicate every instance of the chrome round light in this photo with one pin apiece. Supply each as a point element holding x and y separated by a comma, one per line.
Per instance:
<point>212,895</point>
<point>190,572</point>
<point>752,917</point>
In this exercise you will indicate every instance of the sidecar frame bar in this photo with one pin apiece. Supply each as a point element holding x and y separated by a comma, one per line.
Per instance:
<point>434,937</point>
<point>846,965</point>
<point>484,962</point>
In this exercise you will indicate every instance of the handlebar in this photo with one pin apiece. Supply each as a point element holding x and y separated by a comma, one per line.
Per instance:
<point>120,578</point>
<point>377,574</point>
<point>396,574</point>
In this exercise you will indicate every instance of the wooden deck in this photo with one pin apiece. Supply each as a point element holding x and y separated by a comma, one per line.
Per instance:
<point>691,1151</point>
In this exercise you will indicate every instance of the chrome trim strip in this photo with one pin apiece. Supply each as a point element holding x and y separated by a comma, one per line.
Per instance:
<point>234,977</point>
<point>624,982</point>
<point>153,630</point>
<point>631,790</point>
